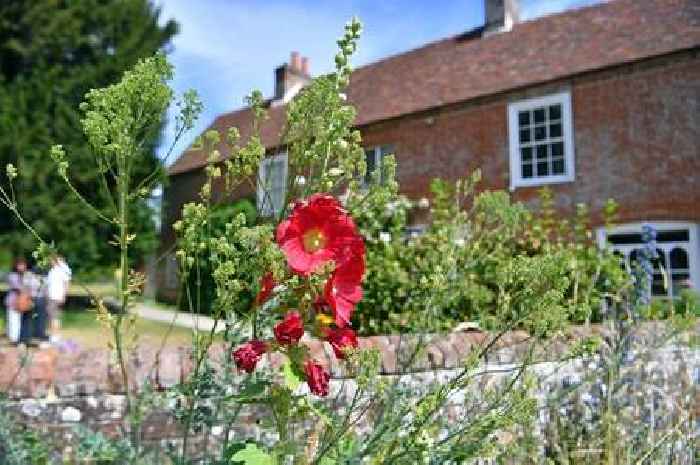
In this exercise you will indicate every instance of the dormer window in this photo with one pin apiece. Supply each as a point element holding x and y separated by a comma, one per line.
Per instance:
<point>541,141</point>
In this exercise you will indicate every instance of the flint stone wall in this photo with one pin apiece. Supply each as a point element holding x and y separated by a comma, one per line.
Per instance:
<point>55,390</point>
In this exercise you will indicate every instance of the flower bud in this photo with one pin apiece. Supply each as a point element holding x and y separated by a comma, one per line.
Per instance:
<point>11,171</point>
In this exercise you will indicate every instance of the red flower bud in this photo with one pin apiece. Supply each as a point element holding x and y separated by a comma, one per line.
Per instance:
<point>289,330</point>
<point>267,284</point>
<point>340,338</point>
<point>248,355</point>
<point>317,378</point>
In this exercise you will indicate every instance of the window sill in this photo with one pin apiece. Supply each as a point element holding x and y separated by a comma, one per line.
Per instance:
<point>535,182</point>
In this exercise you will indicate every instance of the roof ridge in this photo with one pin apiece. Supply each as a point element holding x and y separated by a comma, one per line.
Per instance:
<point>447,71</point>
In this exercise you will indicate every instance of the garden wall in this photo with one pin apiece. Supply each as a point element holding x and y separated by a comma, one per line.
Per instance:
<point>55,390</point>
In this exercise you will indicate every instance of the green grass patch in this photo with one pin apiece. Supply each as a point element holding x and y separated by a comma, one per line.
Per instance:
<point>83,327</point>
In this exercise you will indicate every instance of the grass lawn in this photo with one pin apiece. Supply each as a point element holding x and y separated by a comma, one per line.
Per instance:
<point>82,327</point>
<point>101,288</point>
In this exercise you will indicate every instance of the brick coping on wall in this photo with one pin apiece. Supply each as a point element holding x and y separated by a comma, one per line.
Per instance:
<point>67,373</point>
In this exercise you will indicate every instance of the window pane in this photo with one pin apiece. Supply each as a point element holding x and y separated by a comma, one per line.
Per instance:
<point>555,130</point>
<point>539,115</point>
<point>633,256</point>
<point>680,281</point>
<point>555,112</point>
<point>524,136</point>
<point>543,169</point>
<point>680,235</point>
<point>661,259</point>
<point>272,185</point>
<point>523,118</point>
<point>526,154</point>
<point>541,152</point>
<point>558,149</point>
<point>387,150</point>
<point>558,166</point>
<point>371,165</point>
<point>679,259</point>
<point>540,133</point>
<point>625,238</point>
<point>527,170</point>
<point>658,287</point>
<point>276,183</point>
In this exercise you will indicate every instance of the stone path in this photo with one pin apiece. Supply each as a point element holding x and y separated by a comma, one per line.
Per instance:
<point>182,319</point>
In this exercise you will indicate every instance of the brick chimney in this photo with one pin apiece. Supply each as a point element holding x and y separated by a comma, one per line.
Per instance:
<point>500,15</point>
<point>291,77</point>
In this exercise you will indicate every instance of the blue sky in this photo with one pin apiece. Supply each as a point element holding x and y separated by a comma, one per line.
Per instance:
<point>225,48</point>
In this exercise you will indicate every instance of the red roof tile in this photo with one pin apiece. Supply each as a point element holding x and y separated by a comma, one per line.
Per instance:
<point>464,67</point>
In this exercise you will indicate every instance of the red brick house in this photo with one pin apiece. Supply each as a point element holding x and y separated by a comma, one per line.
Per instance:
<point>599,102</point>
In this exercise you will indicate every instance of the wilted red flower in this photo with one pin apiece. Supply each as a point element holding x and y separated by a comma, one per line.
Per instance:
<point>317,378</point>
<point>267,284</point>
<point>341,338</point>
<point>344,289</point>
<point>289,330</point>
<point>248,355</point>
<point>318,230</point>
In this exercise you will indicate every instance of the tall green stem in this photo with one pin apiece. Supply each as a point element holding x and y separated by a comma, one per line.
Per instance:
<point>124,284</point>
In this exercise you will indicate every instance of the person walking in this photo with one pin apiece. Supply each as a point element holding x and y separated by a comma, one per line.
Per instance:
<point>28,324</point>
<point>18,299</point>
<point>41,320</point>
<point>57,283</point>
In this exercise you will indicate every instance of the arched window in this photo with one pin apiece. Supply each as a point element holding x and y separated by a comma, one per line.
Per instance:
<point>677,264</point>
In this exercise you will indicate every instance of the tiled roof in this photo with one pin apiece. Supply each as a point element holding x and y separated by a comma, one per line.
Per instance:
<point>467,66</point>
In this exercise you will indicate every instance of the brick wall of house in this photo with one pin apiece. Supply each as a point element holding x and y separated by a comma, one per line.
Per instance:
<point>636,133</point>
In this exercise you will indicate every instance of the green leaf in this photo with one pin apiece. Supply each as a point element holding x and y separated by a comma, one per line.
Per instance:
<point>252,455</point>
<point>291,376</point>
<point>251,391</point>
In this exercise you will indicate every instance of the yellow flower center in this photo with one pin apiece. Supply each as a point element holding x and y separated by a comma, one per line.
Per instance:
<point>314,240</point>
<point>324,320</point>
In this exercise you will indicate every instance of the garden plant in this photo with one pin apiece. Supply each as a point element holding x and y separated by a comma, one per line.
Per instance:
<point>334,260</point>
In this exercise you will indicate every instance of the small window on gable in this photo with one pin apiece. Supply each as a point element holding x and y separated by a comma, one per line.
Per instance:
<point>272,185</point>
<point>373,159</point>
<point>541,140</point>
<point>196,144</point>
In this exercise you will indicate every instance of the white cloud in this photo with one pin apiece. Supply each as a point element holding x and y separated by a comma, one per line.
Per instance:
<point>531,9</point>
<point>225,48</point>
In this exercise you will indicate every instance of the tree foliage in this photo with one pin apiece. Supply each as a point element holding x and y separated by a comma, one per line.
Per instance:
<point>51,54</point>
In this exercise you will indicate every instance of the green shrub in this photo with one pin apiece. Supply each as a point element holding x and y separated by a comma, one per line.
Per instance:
<point>480,257</point>
<point>221,214</point>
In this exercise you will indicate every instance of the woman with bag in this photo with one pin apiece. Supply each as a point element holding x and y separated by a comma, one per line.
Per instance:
<point>18,300</point>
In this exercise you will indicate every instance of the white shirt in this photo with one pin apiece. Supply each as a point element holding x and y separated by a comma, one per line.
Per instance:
<point>57,281</point>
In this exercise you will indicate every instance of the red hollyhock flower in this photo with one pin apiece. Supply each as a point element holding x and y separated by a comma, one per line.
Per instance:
<point>340,338</point>
<point>317,378</point>
<point>248,355</point>
<point>344,289</point>
<point>317,231</point>
<point>267,284</point>
<point>289,330</point>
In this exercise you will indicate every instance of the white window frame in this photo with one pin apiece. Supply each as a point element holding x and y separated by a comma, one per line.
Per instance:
<point>516,179</point>
<point>262,173</point>
<point>693,244</point>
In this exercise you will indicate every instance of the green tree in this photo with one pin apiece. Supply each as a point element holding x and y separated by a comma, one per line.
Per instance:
<point>52,52</point>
